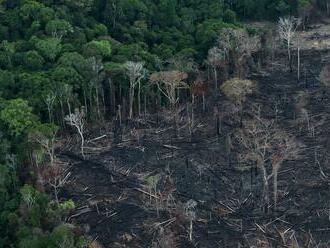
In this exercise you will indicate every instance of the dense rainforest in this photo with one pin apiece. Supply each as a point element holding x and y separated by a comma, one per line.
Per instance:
<point>70,70</point>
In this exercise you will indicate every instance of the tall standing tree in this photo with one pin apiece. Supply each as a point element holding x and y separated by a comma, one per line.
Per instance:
<point>237,91</point>
<point>238,47</point>
<point>287,27</point>
<point>77,120</point>
<point>266,146</point>
<point>44,136</point>
<point>216,57</point>
<point>169,82</point>
<point>135,72</point>
<point>49,100</point>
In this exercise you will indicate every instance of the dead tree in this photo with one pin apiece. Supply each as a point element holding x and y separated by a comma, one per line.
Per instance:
<point>67,90</point>
<point>135,73</point>
<point>287,29</point>
<point>245,46</point>
<point>301,101</point>
<point>216,58</point>
<point>298,56</point>
<point>56,177</point>
<point>77,120</point>
<point>49,100</point>
<point>44,136</point>
<point>200,89</point>
<point>237,46</point>
<point>267,147</point>
<point>95,75</point>
<point>190,213</point>
<point>237,90</point>
<point>169,83</point>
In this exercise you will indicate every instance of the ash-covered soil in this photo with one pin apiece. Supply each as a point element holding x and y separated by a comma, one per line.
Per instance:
<point>137,191</point>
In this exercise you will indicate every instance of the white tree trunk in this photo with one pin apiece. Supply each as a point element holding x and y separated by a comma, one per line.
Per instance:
<point>298,60</point>
<point>131,99</point>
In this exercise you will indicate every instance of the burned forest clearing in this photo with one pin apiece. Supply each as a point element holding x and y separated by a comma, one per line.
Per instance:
<point>219,175</point>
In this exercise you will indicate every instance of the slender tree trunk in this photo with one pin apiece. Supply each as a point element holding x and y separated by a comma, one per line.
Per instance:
<point>204,107</point>
<point>298,51</point>
<point>190,230</point>
<point>91,107</point>
<point>175,118</point>
<point>82,144</point>
<point>97,102</point>
<point>62,112</point>
<point>215,78</point>
<point>139,98</point>
<point>275,189</point>
<point>289,57</point>
<point>51,156</point>
<point>56,195</point>
<point>145,104</point>
<point>119,114</point>
<point>131,99</point>
<point>49,114</point>
<point>85,101</point>
<point>112,97</point>
<point>69,106</point>
<point>266,185</point>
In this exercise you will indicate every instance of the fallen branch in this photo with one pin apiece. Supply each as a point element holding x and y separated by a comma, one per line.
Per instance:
<point>98,138</point>
<point>83,211</point>
<point>171,147</point>
<point>145,192</point>
<point>260,228</point>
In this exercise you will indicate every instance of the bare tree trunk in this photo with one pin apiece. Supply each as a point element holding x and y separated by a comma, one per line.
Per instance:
<point>298,51</point>
<point>215,78</point>
<point>145,104</point>
<point>289,57</point>
<point>190,230</point>
<point>49,114</point>
<point>204,107</point>
<point>112,97</point>
<point>69,106</point>
<point>62,112</point>
<point>82,144</point>
<point>275,189</point>
<point>175,118</point>
<point>119,114</point>
<point>91,107</point>
<point>56,194</point>
<point>51,156</point>
<point>131,98</point>
<point>97,102</point>
<point>85,101</point>
<point>266,185</point>
<point>139,98</point>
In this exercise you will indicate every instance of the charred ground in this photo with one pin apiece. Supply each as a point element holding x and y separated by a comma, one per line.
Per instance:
<point>133,192</point>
